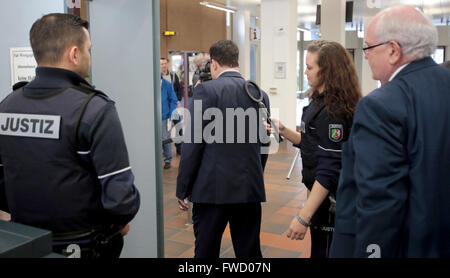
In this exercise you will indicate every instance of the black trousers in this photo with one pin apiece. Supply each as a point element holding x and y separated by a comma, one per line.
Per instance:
<point>210,221</point>
<point>93,248</point>
<point>322,227</point>
<point>178,145</point>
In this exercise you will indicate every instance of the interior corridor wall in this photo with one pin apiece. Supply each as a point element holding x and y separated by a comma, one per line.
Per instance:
<point>196,26</point>
<point>279,50</point>
<point>123,56</point>
<point>16,18</point>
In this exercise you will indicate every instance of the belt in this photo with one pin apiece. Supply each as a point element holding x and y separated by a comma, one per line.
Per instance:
<point>75,235</point>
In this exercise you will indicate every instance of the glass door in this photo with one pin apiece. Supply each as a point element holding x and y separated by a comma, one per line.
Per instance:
<point>182,62</point>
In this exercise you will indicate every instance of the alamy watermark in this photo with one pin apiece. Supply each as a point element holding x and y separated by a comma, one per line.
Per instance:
<point>74,250</point>
<point>235,126</point>
<point>374,251</point>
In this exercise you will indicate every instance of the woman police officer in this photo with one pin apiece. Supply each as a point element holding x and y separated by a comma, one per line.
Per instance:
<point>326,124</point>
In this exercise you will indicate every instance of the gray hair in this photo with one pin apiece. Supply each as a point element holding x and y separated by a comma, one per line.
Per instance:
<point>417,38</point>
<point>198,59</point>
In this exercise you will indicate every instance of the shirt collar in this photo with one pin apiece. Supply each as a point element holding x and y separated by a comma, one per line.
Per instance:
<point>228,70</point>
<point>397,71</point>
<point>48,77</point>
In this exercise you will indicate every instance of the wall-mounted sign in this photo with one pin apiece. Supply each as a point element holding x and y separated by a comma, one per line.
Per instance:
<point>280,31</point>
<point>23,64</point>
<point>255,34</point>
<point>280,70</point>
<point>74,7</point>
<point>169,33</point>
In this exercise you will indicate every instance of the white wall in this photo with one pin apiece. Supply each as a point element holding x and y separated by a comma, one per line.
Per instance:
<point>332,25</point>
<point>444,39</point>
<point>16,18</point>
<point>241,31</point>
<point>353,42</point>
<point>280,47</point>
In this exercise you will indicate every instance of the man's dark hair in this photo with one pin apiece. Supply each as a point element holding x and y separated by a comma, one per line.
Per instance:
<point>162,58</point>
<point>53,33</point>
<point>226,53</point>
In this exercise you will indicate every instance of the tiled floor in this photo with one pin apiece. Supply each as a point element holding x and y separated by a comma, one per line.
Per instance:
<point>4,216</point>
<point>284,197</point>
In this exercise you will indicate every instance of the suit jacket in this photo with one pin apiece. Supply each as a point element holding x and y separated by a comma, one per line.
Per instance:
<point>222,173</point>
<point>393,196</point>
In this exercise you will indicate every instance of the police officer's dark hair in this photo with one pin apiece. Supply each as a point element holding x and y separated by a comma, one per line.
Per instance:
<point>226,53</point>
<point>53,33</point>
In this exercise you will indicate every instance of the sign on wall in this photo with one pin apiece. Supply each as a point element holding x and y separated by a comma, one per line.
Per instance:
<point>280,70</point>
<point>255,34</point>
<point>74,7</point>
<point>23,64</point>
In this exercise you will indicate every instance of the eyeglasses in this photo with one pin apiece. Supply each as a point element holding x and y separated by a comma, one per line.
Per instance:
<point>365,48</point>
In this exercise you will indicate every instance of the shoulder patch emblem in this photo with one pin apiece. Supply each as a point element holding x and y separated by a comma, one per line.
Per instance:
<point>335,132</point>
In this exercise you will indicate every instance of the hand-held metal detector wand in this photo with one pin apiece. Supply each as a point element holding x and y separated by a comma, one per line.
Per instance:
<point>262,106</point>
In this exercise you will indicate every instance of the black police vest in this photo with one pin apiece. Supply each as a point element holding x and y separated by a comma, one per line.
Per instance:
<point>310,141</point>
<point>46,184</point>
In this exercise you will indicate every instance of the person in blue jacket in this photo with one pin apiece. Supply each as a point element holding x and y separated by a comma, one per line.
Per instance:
<point>168,105</point>
<point>326,123</point>
<point>393,197</point>
<point>172,77</point>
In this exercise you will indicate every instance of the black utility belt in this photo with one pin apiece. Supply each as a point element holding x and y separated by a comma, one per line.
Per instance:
<point>78,235</point>
<point>87,233</point>
<point>102,236</point>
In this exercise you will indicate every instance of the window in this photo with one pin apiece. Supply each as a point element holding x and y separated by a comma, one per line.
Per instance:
<point>305,79</point>
<point>439,55</point>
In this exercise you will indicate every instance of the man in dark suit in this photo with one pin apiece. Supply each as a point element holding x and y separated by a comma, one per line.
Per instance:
<point>221,167</point>
<point>393,197</point>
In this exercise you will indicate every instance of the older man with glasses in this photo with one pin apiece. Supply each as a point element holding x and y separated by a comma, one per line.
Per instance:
<point>393,196</point>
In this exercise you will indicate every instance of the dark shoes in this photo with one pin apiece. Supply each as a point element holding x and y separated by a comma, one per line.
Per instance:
<point>167,165</point>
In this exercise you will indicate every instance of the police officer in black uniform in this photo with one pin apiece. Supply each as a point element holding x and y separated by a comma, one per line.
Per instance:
<point>326,124</point>
<point>64,161</point>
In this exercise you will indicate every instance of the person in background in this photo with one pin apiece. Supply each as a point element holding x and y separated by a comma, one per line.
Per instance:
<point>168,105</point>
<point>172,77</point>
<point>200,61</point>
<point>326,124</point>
